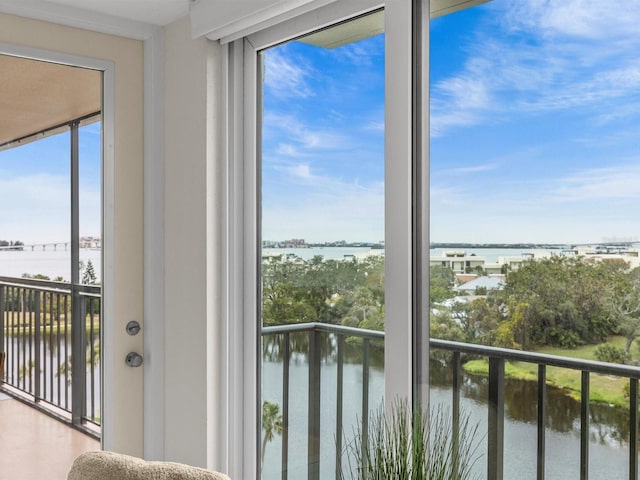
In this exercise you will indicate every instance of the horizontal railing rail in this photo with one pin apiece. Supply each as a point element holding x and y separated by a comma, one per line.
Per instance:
<point>496,404</point>
<point>36,336</point>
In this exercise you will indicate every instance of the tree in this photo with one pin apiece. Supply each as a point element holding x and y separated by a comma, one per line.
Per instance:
<point>568,300</point>
<point>365,310</point>
<point>626,307</point>
<point>271,425</point>
<point>89,274</point>
<point>296,290</point>
<point>445,327</point>
<point>440,284</point>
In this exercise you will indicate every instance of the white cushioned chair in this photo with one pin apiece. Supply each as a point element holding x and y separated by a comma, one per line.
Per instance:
<point>115,466</point>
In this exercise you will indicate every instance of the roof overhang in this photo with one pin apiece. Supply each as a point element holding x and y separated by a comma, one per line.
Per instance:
<point>41,98</point>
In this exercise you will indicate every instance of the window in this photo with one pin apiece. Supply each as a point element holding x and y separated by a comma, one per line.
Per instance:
<point>245,242</point>
<point>533,161</point>
<point>322,230</point>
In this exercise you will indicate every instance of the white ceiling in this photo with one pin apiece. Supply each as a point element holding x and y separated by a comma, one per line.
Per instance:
<point>138,18</point>
<point>155,12</point>
<point>214,18</point>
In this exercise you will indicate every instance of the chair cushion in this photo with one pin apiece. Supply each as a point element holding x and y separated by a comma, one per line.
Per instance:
<point>115,466</point>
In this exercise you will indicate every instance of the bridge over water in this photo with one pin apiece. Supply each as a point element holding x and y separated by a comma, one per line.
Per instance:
<point>37,246</point>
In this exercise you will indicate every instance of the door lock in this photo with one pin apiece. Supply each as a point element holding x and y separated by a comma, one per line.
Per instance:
<point>133,327</point>
<point>133,359</point>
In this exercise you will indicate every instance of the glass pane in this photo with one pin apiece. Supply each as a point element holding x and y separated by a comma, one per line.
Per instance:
<point>90,208</point>
<point>534,157</point>
<point>35,195</point>
<point>322,230</point>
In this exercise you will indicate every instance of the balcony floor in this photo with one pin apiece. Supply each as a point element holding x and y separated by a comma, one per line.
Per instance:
<point>34,446</point>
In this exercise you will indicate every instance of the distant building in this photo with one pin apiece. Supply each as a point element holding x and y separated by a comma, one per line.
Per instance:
<point>90,242</point>
<point>458,261</point>
<point>461,263</point>
<point>487,283</point>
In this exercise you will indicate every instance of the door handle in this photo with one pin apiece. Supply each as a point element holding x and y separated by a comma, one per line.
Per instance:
<point>133,359</point>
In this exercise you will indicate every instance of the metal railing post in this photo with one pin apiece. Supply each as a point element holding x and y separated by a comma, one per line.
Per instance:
<point>314,406</point>
<point>285,405</point>
<point>365,397</point>
<point>457,382</point>
<point>633,428</point>
<point>495,455</point>
<point>339,399</point>
<point>78,357</point>
<point>37,345</point>
<point>542,401</point>
<point>584,427</point>
<point>455,410</point>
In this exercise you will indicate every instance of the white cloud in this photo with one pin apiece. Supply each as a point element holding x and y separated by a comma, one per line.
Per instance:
<point>458,101</point>
<point>583,206</point>
<point>469,170</point>
<point>285,76</point>
<point>36,208</point>
<point>599,184</point>
<point>506,75</point>
<point>300,138</point>
<point>359,53</point>
<point>350,212</point>
<point>593,19</point>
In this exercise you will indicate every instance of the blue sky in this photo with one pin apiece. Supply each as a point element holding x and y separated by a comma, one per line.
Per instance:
<point>535,132</point>
<point>535,135</point>
<point>323,142</point>
<point>35,191</point>
<point>534,128</point>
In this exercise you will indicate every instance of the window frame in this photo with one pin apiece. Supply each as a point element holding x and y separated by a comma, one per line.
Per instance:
<point>406,204</point>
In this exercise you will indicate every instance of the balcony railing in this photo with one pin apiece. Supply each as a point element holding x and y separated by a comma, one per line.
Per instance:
<point>49,331</point>
<point>496,393</point>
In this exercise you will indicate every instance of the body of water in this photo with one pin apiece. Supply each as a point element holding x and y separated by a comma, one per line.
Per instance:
<point>608,449</point>
<point>58,263</point>
<point>52,263</point>
<point>328,253</point>
<point>490,255</point>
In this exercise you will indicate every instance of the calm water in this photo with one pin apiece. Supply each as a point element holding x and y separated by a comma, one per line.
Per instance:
<point>609,430</point>
<point>57,263</point>
<point>49,262</point>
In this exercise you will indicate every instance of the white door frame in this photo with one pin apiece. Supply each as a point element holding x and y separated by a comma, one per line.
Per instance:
<point>108,214</point>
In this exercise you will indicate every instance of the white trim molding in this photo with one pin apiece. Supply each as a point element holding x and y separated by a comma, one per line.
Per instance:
<point>77,17</point>
<point>229,21</point>
<point>154,247</point>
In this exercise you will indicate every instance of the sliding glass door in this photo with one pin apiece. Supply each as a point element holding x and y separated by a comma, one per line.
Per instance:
<point>321,191</point>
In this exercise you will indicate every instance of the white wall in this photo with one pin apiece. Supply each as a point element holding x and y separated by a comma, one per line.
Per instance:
<point>192,99</point>
<point>187,421</point>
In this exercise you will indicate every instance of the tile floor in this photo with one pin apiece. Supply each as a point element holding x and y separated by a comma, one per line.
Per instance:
<point>34,446</point>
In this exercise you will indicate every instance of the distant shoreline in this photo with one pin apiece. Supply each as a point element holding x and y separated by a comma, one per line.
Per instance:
<point>545,246</point>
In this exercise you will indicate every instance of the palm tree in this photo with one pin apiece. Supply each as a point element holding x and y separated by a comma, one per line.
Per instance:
<point>271,424</point>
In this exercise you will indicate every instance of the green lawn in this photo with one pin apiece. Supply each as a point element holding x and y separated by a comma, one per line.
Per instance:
<point>603,388</point>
